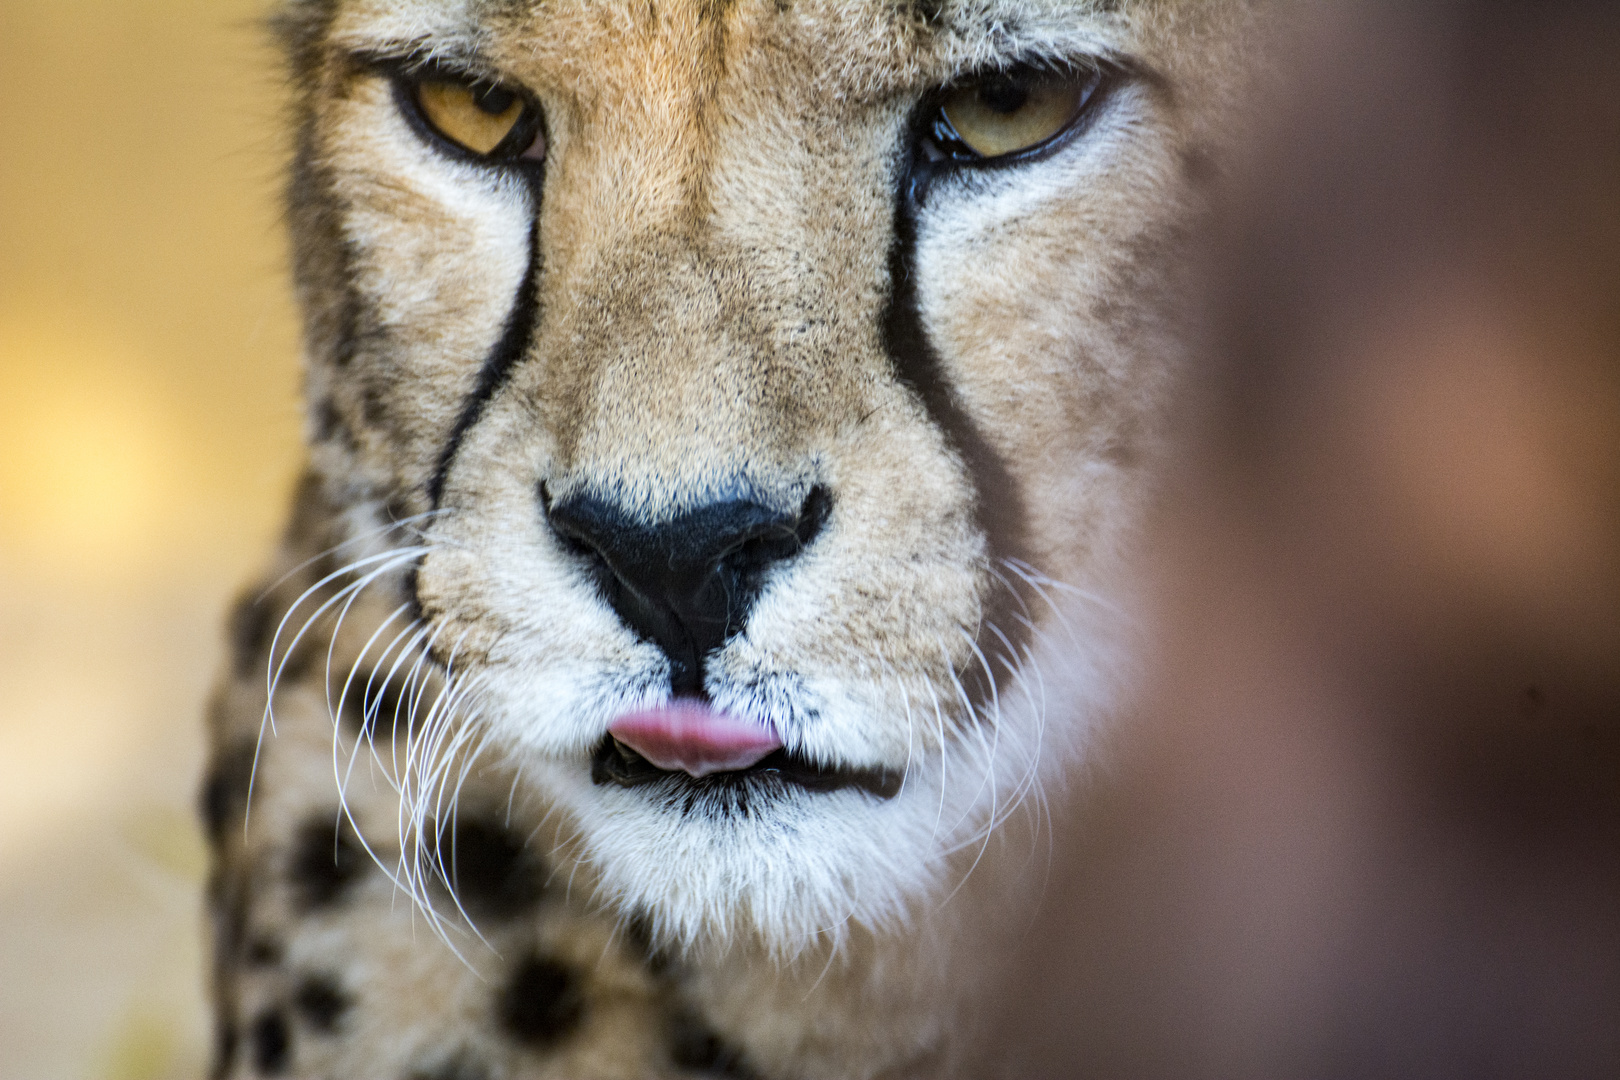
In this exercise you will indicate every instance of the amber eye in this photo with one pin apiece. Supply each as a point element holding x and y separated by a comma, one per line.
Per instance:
<point>490,121</point>
<point>1006,113</point>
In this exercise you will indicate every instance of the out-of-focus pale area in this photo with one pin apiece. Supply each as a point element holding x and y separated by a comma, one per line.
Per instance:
<point>148,433</point>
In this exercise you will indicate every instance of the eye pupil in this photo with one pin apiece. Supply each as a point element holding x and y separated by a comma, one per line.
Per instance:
<point>493,100</point>
<point>1003,98</point>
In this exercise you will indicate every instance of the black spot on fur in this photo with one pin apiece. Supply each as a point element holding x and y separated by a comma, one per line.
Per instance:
<point>373,405</point>
<point>271,1043</point>
<point>346,344</point>
<point>492,871</point>
<point>224,790</point>
<point>252,626</point>
<point>321,1002</point>
<point>330,425</point>
<point>294,666</point>
<point>374,707</point>
<point>325,419</point>
<point>926,11</point>
<point>214,804</point>
<point>225,1042</point>
<point>460,1066</point>
<point>413,600</point>
<point>397,509</point>
<point>326,859</point>
<point>542,1002</point>
<point>694,1047</point>
<point>638,935</point>
<point>227,894</point>
<point>1199,167</point>
<point>263,952</point>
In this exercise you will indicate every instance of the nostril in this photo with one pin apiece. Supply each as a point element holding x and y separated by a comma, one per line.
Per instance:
<point>574,539</point>
<point>780,540</point>
<point>813,515</point>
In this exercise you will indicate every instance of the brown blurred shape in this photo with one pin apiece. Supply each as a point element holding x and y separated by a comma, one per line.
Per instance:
<point>1367,822</point>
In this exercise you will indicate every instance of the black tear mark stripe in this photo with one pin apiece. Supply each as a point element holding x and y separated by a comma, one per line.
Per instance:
<point>1001,510</point>
<point>515,341</point>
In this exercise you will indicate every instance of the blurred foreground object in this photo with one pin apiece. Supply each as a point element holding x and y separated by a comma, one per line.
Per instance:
<point>1368,820</point>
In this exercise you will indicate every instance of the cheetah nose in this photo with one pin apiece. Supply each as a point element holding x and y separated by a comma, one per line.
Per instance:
<point>685,584</point>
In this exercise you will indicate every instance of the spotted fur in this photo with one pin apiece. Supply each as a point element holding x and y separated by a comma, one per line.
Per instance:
<point>733,277</point>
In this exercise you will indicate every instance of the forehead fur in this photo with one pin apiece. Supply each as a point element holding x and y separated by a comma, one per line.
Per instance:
<point>860,46</point>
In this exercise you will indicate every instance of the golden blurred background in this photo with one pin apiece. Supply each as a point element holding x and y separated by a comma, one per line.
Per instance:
<point>148,436</point>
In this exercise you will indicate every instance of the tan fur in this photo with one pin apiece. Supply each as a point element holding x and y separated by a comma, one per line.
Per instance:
<point>716,230</point>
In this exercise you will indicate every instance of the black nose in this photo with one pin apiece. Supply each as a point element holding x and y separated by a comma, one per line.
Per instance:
<point>687,584</point>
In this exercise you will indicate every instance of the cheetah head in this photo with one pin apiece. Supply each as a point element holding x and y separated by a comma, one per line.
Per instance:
<point>767,387</point>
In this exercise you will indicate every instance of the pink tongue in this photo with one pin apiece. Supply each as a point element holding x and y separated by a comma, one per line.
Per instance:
<point>694,738</point>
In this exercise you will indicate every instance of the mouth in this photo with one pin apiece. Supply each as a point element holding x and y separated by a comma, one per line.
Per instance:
<point>689,745</point>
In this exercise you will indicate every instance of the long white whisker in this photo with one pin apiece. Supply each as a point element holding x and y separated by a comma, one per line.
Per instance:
<point>358,538</point>
<point>1038,582</point>
<point>370,702</point>
<point>990,762</point>
<point>411,650</point>
<point>944,752</point>
<point>1031,773</point>
<point>390,561</point>
<point>971,714</point>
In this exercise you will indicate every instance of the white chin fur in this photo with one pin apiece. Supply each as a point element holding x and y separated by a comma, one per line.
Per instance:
<point>804,869</point>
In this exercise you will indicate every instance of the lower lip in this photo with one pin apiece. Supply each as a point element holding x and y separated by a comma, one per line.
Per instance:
<point>690,737</point>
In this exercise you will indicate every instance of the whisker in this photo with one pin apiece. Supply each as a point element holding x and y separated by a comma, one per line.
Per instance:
<point>367,706</point>
<point>359,538</point>
<point>389,561</point>
<point>944,753</point>
<point>989,766</point>
<point>414,651</point>
<point>976,729</point>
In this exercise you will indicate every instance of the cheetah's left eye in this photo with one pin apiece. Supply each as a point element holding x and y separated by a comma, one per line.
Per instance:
<point>490,121</point>
<point>1010,112</point>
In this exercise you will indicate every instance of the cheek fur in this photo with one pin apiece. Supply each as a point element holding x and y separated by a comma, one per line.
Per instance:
<point>435,252</point>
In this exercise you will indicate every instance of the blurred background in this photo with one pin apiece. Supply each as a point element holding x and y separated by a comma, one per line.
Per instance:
<point>148,434</point>
<point>1365,822</point>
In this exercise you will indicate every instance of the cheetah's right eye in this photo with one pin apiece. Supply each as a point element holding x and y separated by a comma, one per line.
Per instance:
<point>491,121</point>
<point>1008,113</point>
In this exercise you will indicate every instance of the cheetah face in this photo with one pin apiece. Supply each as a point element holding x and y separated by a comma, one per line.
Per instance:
<point>756,376</point>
